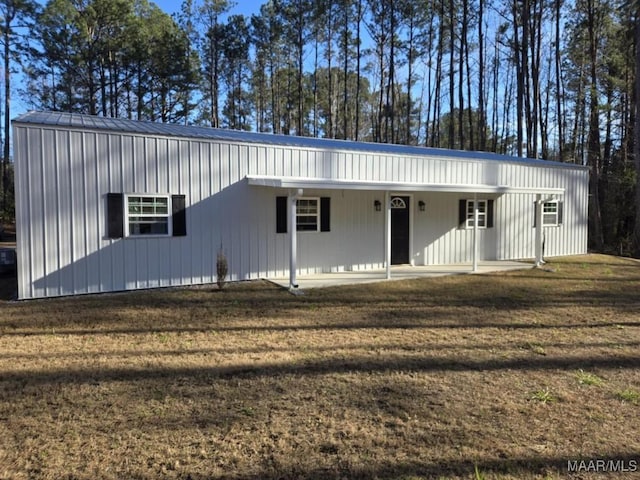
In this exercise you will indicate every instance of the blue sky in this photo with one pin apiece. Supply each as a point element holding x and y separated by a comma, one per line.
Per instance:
<point>244,7</point>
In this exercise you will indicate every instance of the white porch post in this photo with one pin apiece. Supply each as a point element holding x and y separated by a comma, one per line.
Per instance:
<point>475,232</point>
<point>538,238</point>
<point>293,238</point>
<point>387,233</point>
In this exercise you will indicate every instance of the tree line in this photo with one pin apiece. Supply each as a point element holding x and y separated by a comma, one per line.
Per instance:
<point>551,79</point>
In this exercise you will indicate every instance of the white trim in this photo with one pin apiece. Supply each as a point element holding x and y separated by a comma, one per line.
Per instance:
<point>292,199</point>
<point>387,233</point>
<point>317,215</point>
<point>476,218</point>
<point>475,203</point>
<point>555,214</point>
<point>126,215</point>
<point>397,202</point>
<point>539,234</point>
<point>344,184</point>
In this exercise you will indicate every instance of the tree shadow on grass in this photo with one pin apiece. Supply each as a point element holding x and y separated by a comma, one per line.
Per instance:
<point>527,467</point>
<point>523,466</point>
<point>429,347</point>
<point>352,364</point>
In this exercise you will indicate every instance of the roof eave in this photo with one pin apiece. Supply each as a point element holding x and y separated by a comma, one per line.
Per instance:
<point>344,184</point>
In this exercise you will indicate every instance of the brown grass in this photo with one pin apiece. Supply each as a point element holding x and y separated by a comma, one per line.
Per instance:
<point>412,379</point>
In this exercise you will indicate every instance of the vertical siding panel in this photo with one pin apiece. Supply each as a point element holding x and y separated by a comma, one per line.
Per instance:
<point>64,204</point>
<point>23,152</point>
<point>102,185</point>
<point>181,267</point>
<point>209,246</point>
<point>36,216</point>
<point>167,248</point>
<point>103,180</point>
<point>118,152</point>
<point>194,160</point>
<point>78,189</point>
<point>90,163</point>
<point>50,276</point>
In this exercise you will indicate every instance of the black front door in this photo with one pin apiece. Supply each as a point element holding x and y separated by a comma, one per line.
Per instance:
<point>399,230</point>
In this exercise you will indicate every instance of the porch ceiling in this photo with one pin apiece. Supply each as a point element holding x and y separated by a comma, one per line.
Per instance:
<point>343,184</point>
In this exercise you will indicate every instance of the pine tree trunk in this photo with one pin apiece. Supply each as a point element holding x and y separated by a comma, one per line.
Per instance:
<point>7,113</point>
<point>636,133</point>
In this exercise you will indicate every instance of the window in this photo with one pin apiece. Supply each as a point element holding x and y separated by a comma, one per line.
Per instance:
<point>138,215</point>
<point>552,214</point>
<point>482,214</point>
<point>466,216</point>
<point>307,214</point>
<point>147,215</point>
<point>312,214</point>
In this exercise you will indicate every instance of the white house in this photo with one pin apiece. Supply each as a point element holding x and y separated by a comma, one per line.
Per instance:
<point>110,204</point>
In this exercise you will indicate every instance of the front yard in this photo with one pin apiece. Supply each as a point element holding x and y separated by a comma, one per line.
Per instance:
<point>507,376</point>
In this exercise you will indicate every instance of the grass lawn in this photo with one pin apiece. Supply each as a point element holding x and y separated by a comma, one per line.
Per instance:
<point>505,376</point>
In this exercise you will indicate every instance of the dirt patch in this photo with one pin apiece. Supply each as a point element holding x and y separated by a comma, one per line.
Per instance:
<point>512,374</point>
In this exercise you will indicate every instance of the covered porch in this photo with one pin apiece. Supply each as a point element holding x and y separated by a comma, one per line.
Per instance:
<point>296,187</point>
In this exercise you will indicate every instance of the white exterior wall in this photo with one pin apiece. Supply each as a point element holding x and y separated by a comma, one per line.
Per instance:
<point>63,176</point>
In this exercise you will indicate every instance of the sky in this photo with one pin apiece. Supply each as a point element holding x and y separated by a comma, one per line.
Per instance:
<point>244,7</point>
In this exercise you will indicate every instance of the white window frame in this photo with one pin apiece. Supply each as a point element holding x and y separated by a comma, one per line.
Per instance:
<point>483,205</point>
<point>307,214</point>
<point>128,216</point>
<point>550,212</point>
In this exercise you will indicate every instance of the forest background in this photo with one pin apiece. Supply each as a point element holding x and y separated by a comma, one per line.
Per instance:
<point>550,79</point>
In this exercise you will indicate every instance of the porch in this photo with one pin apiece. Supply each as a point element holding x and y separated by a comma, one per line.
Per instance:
<point>398,272</point>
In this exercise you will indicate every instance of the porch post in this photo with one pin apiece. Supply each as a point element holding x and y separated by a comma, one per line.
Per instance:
<point>293,238</point>
<point>538,237</point>
<point>387,233</point>
<point>475,232</point>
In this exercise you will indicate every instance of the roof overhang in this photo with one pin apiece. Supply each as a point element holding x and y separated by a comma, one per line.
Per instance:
<point>370,185</point>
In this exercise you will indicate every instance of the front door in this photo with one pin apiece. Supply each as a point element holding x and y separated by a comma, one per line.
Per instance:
<point>399,230</point>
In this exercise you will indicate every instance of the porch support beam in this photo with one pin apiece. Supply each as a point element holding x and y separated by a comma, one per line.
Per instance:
<point>539,231</point>
<point>475,232</point>
<point>387,233</point>
<point>293,237</point>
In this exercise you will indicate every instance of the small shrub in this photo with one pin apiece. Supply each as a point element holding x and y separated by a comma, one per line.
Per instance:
<point>478,475</point>
<point>222,269</point>
<point>537,349</point>
<point>629,395</point>
<point>586,378</point>
<point>543,396</point>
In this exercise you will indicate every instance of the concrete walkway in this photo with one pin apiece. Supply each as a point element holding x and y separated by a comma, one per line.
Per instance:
<point>398,272</point>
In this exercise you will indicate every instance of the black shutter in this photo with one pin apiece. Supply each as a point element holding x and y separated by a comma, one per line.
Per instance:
<point>325,214</point>
<point>179,215</point>
<point>535,214</point>
<point>281,215</point>
<point>462,213</point>
<point>115,211</point>
<point>489,213</point>
<point>560,212</point>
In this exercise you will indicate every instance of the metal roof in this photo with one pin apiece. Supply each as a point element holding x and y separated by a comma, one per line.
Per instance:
<point>121,125</point>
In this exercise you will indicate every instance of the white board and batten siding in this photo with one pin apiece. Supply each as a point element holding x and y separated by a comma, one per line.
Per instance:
<point>67,164</point>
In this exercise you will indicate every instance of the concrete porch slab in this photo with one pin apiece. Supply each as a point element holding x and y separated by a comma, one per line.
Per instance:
<point>398,272</point>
